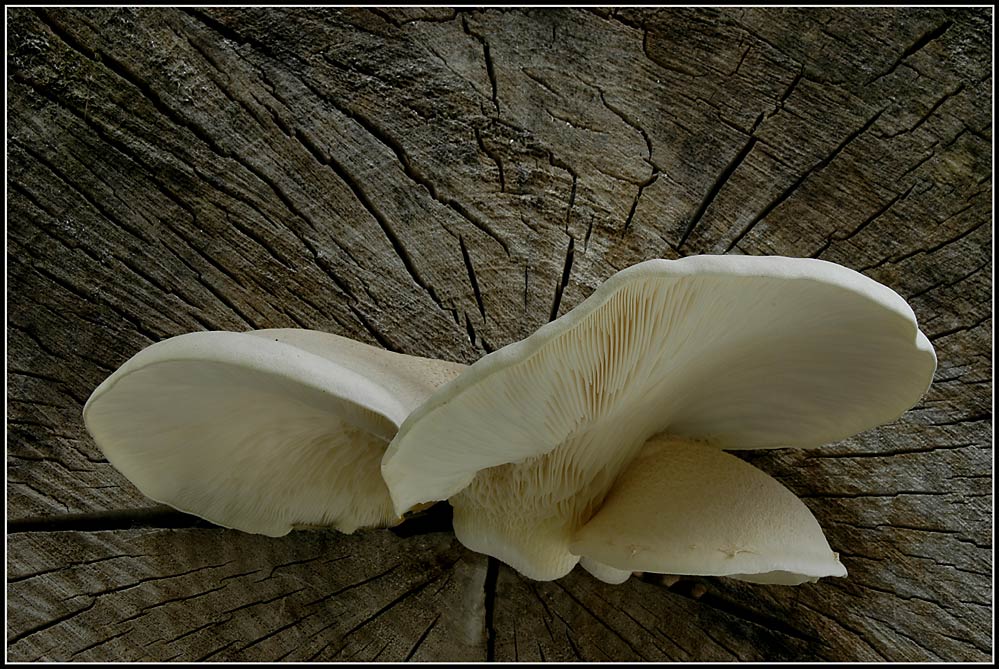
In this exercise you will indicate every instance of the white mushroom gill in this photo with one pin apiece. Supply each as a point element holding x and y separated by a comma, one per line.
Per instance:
<point>261,431</point>
<point>738,352</point>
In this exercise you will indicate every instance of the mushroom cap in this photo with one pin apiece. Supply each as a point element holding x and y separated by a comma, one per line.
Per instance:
<point>742,352</point>
<point>261,431</point>
<point>686,508</point>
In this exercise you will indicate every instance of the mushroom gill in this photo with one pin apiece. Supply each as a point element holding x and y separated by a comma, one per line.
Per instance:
<point>732,351</point>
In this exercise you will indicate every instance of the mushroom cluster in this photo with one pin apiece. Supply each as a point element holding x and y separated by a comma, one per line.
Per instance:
<point>600,439</point>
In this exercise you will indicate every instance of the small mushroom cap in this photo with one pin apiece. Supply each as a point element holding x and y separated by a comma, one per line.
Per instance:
<point>686,508</point>
<point>743,352</point>
<point>264,430</point>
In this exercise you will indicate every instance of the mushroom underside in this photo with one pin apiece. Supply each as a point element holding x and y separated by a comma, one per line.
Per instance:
<point>261,431</point>
<point>743,359</point>
<point>740,353</point>
<point>677,507</point>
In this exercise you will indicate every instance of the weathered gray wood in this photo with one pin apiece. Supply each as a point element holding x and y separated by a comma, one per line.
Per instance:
<point>193,595</point>
<point>442,182</point>
<point>579,618</point>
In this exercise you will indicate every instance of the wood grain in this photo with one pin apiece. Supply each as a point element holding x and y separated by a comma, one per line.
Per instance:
<point>442,182</point>
<point>199,594</point>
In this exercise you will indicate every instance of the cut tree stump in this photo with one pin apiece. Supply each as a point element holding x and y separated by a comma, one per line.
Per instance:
<point>442,183</point>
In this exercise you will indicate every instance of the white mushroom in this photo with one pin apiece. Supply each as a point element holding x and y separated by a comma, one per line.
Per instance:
<point>684,508</point>
<point>737,352</point>
<point>261,431</point>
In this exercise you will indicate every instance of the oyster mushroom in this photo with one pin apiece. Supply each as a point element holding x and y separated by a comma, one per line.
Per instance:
<point>734,352</point>
<point>682,508</point>
<point>261,431</point>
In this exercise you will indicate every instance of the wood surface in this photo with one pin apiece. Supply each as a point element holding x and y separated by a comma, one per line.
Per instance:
<point>441,183</point>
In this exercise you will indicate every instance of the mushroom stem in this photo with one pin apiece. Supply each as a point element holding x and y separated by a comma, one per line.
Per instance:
<point>526,513</point>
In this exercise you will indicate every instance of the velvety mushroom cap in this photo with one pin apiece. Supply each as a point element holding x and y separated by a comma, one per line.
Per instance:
<point>742,352</point>
<point>682,507</point>
<point>264,430</point>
